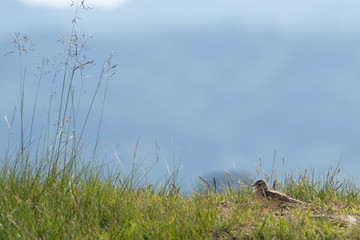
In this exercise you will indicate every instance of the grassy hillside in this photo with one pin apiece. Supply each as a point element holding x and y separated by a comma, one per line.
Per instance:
<point>92,207</point>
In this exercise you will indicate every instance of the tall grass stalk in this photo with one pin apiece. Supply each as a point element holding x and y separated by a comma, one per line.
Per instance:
<point>36,154</point>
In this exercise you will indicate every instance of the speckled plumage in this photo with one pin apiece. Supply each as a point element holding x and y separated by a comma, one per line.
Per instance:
<point>272,198</point>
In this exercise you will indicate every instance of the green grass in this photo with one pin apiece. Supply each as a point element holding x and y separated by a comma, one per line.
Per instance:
<point>51,189</point>
<point>94,207</point>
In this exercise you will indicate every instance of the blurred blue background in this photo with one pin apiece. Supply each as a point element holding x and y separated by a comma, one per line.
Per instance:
<point>213,84</point>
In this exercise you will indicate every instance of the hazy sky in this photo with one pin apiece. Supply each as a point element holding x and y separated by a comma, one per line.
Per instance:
<point>294,16</point>
<point>103,4</point>
<point>227,80</point>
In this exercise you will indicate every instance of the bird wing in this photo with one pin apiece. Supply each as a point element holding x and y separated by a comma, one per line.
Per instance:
<point>281,197</point>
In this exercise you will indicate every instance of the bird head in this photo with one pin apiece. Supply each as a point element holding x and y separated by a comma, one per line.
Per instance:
<point>260,184</point>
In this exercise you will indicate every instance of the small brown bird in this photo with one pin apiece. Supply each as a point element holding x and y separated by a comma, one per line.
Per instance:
<point>272,198</point>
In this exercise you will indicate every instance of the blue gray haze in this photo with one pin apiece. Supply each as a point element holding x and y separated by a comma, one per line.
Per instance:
<point>213,85</point>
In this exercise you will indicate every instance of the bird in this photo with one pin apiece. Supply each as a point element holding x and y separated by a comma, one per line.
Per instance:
<point>272,198</point>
